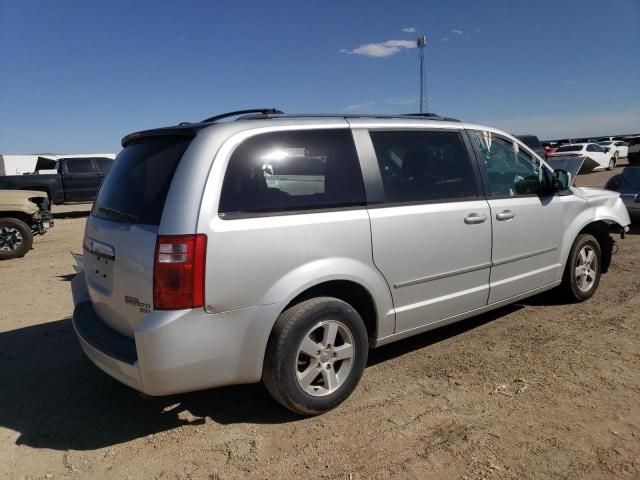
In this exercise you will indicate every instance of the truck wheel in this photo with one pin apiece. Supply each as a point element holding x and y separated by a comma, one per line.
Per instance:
<point>15,238</point>
<point>316,355</point>
<point>582,272</point>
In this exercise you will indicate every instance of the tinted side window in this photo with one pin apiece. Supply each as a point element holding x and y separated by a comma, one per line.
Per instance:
<point>81,165</point>
<point>422,166</point>
<point>293,170</point>
<point>510,171</point>
<point>104,164</point>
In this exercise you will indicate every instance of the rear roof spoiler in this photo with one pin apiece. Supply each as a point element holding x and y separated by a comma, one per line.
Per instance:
<point>188,131</point>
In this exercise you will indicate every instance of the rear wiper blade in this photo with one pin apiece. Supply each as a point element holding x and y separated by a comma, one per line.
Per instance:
<point>129,217</point>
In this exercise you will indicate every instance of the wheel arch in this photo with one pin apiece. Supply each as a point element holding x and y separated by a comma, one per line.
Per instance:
<point>339,277</point>
<point>17,215</point>
<point>600,229</point>
<point>349,291</point>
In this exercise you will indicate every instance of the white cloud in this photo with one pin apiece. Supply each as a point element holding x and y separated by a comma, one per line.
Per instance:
<point>409,29</point>
<point>384,49</point>
<point>457,32</point>
<point>444,39</point>
<point>357,106</point>
<point>549,127</point>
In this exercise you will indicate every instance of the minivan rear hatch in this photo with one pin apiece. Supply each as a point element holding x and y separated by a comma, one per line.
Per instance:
<point>120,236</point>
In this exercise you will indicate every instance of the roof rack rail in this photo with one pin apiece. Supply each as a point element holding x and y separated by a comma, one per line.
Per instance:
<point>434,116</point>
<point>425,114</point>
<point>263,111</point>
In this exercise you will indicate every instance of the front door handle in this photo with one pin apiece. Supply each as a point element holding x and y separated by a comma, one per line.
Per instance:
<point>474,218</point>
<point>506,215</point>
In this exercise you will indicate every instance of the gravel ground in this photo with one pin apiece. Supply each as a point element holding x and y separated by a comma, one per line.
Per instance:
<point>535,390</point>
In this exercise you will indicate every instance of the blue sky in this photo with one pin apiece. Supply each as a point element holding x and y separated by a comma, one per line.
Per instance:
<point>76,76</point>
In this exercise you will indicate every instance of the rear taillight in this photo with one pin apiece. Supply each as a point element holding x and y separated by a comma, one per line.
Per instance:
<point>613,184</point>
<point>178,272</point>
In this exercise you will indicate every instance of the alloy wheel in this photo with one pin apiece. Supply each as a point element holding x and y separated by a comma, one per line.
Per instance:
<point>324,358</point>
<point>586,268</point>
<point>10,239</point>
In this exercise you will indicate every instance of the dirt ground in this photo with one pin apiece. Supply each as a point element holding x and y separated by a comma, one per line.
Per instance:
<point>536,390</point>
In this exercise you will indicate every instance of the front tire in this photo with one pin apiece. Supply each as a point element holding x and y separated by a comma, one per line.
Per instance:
<point>612,162</point>
<point>583,269</point>
<point>15,238</point>
<point>316,355</point>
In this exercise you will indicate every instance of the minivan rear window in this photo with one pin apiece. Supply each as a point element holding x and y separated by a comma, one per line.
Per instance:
<point>136,187</point>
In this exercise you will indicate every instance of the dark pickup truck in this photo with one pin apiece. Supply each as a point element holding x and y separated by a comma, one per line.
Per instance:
<point>77,179</point>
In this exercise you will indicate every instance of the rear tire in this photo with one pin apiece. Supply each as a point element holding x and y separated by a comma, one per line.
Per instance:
<point>583,269</point>
<point>15,238</point>
<point>316,355</point>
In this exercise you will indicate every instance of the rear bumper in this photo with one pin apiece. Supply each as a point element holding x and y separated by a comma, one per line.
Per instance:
<point>120,370</point>
<point>177,351</point>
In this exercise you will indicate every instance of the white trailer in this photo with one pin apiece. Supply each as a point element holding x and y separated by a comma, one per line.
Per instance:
<point>17,164</point>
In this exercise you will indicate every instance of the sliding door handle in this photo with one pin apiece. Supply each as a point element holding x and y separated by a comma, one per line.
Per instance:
<point>506,215</point>
<point>474,218</point>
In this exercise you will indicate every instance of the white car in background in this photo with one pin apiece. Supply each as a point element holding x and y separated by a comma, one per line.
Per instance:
<point>617,148</point>
<point>591,151</point>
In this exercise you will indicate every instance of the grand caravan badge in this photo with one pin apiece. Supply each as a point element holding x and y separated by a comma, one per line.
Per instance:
<point>144,307</point>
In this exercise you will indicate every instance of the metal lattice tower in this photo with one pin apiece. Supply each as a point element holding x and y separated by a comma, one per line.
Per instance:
<point>421,42</point>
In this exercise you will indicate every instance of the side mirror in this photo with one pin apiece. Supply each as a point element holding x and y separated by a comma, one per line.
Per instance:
<point>561,180</point>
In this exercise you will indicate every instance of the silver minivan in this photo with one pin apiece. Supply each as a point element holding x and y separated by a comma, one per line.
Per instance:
<point>282,247</point>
